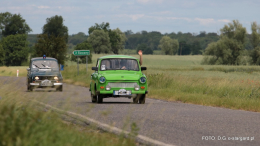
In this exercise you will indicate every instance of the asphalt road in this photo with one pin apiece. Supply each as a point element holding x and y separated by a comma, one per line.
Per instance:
<point>169,122</point>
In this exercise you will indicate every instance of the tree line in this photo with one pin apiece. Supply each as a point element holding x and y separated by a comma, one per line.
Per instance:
<point>232,46</point>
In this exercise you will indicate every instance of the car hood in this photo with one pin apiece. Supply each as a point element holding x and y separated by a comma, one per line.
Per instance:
<point>122,75</point>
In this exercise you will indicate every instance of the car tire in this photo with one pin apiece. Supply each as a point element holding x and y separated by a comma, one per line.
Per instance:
<point>59,88</point>
<point>99,98</point>
<point>142,99</point>
<point>29,88</point>
<point>93,98</point>
<point>135,99</point>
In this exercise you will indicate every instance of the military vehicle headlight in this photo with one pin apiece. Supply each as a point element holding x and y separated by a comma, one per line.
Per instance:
<point>56,78</point>
<point>36,78</point>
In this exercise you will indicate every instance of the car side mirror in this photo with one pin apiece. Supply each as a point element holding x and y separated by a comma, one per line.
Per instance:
<point>28,69</point>
<point>143,68</point>
<point>95,68</point>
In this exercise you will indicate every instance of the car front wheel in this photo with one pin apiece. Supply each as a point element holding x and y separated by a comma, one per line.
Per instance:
<point>93,98</point>
<point>29,88</point>
<point>59,88</point>
<point>142,99</point>
<point>99,98</point>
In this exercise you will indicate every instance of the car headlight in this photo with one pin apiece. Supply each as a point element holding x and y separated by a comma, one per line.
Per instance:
<point>108,88</point>
<point>137,87</point>
<point>56,78</point>
<point>142,79</point>
<point>36,78</point>
<point>102,79</point>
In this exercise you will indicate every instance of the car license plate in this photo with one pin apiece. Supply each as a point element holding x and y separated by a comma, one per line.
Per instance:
<point>122,92</point>
<point>46,83</point>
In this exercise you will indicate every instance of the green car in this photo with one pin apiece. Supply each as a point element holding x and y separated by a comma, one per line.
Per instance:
<point>118,76</point>
<point>43,72</point>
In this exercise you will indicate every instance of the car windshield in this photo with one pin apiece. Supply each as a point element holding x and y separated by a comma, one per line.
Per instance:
<point>119,64</point>
<point>45,64</point>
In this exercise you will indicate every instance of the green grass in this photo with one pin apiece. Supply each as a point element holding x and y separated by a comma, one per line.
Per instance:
<point>183,78</point>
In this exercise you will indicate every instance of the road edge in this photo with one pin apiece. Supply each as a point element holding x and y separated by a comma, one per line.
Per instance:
<point>106,127</point>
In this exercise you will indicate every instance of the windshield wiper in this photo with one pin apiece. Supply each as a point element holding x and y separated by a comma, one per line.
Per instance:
<point>36,66</point>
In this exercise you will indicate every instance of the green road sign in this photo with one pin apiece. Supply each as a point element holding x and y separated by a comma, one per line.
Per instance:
<point>81,52</point>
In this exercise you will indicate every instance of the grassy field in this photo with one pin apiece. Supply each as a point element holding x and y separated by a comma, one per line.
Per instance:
<point>183,78</point>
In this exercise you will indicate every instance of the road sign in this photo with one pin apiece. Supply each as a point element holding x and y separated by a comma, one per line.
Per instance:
<point>81,52</point>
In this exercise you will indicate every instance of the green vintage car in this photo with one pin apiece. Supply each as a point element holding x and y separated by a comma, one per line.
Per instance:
<point>43,72</point>
<point>118,76</point>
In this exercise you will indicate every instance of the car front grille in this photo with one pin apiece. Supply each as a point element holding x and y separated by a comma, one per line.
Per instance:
<point>122,85</point>
<point>46,77</point>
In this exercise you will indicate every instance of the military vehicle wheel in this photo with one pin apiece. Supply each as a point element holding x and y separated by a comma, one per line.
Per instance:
<point>59,88</point>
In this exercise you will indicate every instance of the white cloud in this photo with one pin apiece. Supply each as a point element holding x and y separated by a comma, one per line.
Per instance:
<point>143,1</point>
<point>205,21</point>
<point>133,17</point>
<point>179,18</point>
<point>137,16</point>
<point>224,20</point>
<point>43,7</point>
<point>149,1</point>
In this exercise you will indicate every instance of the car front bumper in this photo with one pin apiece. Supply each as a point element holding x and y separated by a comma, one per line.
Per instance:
<point>132,92</point>
<point>38,85</point>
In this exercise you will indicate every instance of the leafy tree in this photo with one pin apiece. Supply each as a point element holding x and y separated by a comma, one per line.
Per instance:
<point>77,38</point>
<point>52,42</point>
<point>2,54</point>
<point>145,49</point>
<point>168,45</point>
<point>99,40</point>
<point>114,41</point>
<point>202,34</point>
<point>128,32</point>
<point>117,40</point>
<point>196,48</point>
<point>229,49</point>
<point>11,24</point>
<point>54,26</point>
<point>184,48</point>
<point>51,46</point>
<point>255,40</point>
<point>83,46</point>
<point>102,26</point>
<point>116,37</point>
<point>15,49</point>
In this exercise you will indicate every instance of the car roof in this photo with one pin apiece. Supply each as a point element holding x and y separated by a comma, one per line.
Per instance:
<point>117,56</point>
<point>41,58</point>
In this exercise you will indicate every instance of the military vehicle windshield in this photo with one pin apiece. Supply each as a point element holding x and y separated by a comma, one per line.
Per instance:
<point>119,64</point>
<point>43,64</point>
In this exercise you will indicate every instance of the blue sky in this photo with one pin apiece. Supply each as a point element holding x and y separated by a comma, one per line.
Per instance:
<point>165,16</point>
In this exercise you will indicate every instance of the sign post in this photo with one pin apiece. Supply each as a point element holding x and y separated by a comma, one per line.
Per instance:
<point>82,53</point>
